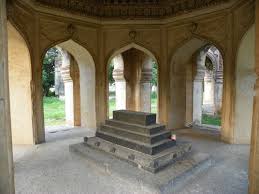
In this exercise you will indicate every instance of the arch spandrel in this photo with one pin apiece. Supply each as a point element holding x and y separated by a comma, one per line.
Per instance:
<point>126,47</point>
<point>60,41</point>
<point>122,37</point>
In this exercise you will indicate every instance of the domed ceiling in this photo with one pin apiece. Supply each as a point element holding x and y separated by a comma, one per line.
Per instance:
<point>130,9</point>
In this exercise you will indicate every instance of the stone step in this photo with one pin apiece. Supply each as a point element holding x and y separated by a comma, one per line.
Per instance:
<point>136,145</point>
<point>148,139</point>
<point>149,130</point>
<point>134,117</point>
<point>151,163</point>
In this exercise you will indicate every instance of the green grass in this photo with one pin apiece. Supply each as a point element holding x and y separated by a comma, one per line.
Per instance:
<point>211,120</point>
<point>54,111</point>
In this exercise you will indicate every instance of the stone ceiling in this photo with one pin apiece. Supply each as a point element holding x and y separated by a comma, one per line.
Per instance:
<point>130,9</point>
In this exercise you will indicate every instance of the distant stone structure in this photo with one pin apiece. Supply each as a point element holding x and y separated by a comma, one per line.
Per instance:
<point>59,83</point>
<point>208,84</point>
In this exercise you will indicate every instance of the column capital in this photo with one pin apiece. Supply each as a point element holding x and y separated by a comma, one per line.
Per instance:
<point>199,75</point>
<point>146,75</point>
<point>65,73</point>
<point>118,75</point>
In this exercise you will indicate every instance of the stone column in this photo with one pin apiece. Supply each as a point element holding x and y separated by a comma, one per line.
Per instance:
<point>120,82</point>
<point>208,93</point>
<point>6,160</point>
<point>254,149</point>
<point>145,85</point>
<point>59,84</point>
<point>197,98</point>
<point>68,86</point>
<point>75,74</point>
<point>198,89</point>
<point>218,91</point>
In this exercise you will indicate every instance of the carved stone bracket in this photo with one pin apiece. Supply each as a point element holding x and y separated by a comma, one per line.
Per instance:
<point>132,35</point>
<point>71,30</point>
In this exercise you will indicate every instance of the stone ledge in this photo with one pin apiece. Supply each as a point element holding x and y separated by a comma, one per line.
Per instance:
<point>169,180</point>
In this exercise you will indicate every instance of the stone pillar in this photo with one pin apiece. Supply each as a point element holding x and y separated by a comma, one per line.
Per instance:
<point>254,149</point>
<point>133,59</point>
<point>6,160</point>
<point>75,74</point>
<point>120,82</point>
<point>197,98</point>
<point>145,85</point>
<point>208,93</point>
<point>218,91</point>
<point>68,85</point>
<point>59,84</point>
<point>198,89</point>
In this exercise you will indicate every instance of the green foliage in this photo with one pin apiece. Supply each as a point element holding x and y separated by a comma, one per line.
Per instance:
<point>54,111</point>
<point>154,74</point>
<point>110,71</point>
<point>48,70</point>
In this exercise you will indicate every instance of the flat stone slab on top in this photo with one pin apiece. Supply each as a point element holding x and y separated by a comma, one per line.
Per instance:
<point>134,117</point>
<point>168,181</point>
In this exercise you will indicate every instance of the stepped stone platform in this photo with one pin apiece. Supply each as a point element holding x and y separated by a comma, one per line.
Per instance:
<point>135,137</point>
<point>132,141</point>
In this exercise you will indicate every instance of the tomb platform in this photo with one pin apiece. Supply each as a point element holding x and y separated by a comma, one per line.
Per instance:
<point>135,140</point>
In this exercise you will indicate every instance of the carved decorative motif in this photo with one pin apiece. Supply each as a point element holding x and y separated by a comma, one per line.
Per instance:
<point>130,8</point>
<point>71,29</point>
<point>132,34</point>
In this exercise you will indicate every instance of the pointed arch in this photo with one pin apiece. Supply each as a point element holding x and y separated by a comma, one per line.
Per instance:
<point>129,80</point>
<point>130,46</point>
<point>182,73</point>
<point>86,65</point>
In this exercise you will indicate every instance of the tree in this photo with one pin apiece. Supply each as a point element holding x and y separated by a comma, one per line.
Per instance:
<point>48,70</point>
<point>154,74</point>
<point>110,71</point>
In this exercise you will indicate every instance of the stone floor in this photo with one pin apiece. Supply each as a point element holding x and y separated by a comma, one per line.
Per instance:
<point>51,169</point>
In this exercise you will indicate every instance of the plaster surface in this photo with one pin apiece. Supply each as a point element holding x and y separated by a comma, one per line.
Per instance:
<point>245,80</point>
<point>180,61</point>
<point>20,87</point>
<point>63,172</point>
<point>87,82</point>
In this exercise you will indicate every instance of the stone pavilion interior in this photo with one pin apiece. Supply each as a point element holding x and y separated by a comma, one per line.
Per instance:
<point>199,58</point>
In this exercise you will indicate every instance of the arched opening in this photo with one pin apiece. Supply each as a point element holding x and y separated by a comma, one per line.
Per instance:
<point>245,80</point>
<point>61,89</point>
<point>196,69</point>
<point>132,78</point>
<point>74,68</point>
<point>208,88</point>
<point>19,60</point>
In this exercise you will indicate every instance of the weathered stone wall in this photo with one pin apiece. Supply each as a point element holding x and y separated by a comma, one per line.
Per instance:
<point>245,79</point>
<point>6,159</point>
<point>254,149</point>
